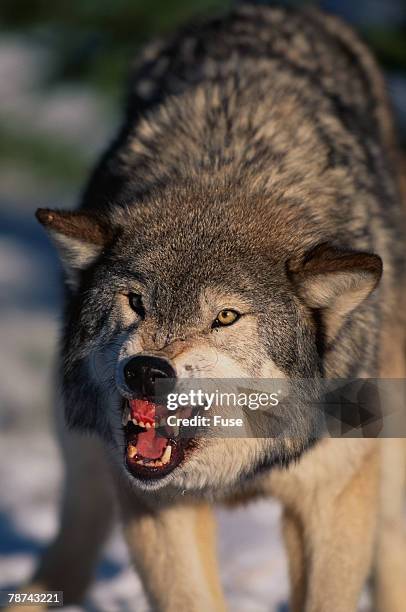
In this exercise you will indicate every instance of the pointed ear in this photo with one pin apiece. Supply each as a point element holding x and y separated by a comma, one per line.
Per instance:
<point>335,282</point>
<point>78,236</point>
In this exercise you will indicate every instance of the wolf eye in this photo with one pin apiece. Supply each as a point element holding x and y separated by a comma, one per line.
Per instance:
<point>136,304</point>
<point>226,317</point>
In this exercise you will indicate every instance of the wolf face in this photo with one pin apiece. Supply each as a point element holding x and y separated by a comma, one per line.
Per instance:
<point>174,288</point>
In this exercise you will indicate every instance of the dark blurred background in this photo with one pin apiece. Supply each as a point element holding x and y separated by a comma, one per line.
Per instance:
<point>63,67</point>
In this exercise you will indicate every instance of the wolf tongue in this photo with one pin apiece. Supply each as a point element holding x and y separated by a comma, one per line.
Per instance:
<point>150,445</point>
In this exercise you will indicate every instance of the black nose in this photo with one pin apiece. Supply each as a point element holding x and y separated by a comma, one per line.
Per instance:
<point>141,374</point>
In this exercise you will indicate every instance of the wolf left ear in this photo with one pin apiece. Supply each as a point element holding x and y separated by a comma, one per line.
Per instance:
<point>335,282</point>
<point>78,236</point>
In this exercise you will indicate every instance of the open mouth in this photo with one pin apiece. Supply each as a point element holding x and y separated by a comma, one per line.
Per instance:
<point>152,449</point>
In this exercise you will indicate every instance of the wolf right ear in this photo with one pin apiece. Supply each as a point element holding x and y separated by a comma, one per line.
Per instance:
<point>335,282</point>
<point>78,236</point>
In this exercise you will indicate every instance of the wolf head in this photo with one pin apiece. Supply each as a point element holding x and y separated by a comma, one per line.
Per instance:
<point>191,285</point>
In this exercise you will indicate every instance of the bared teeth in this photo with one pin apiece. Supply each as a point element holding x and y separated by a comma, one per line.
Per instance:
<point>167,455</point>
<point>135,421</point>
<point>147,425</point>
<point>131,451</point>
<point>141,424</point>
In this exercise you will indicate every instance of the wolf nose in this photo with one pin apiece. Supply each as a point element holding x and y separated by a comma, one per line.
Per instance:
<point>142,372</point>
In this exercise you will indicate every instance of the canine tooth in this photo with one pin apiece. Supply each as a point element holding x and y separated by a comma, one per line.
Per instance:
<point>167,454</point>
<point>135,421</point>
<point>147,425</point>
<point>141,424</point>
<point>132,451</point>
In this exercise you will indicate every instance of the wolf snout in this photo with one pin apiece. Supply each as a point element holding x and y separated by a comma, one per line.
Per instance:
<point>143,373</point>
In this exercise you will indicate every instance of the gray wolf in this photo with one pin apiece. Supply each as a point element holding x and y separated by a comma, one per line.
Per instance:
<point>246,222</point>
